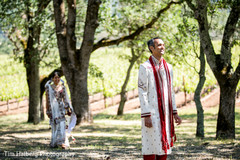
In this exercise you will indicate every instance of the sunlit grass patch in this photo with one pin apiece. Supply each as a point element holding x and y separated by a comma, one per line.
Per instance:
<point>19,123</point>
<point>127,117</point>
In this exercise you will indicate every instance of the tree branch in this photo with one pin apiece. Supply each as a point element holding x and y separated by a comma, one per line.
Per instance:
<point>91,24</point>
<point>71,23</point>
<point>236,75</point>
<point>229,30</point>
<point>17,48</point>
<point>192,66</point>
<point>59,13</point>
<point>201,16</point>
<point>108,42</point>
<point>45,51</point>
<point>189,2</point>
<point>42,5</point>
<point>21,39</point>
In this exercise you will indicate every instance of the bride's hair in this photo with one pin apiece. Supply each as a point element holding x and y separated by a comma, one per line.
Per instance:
<point>56,73</point>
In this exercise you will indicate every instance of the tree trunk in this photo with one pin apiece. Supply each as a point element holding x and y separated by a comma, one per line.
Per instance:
<point>226,114</point>
<point>31,59</point>
<point>221,64</point>
<point>43,81</point>
<point>79,95</point>
<point>77,82</point>
<point>124,86</point>
<point>75,61</point>
<point>28,35</point>
<point>197,96</point>
<point>228,80</point>
<point>34,91</point>
<point>42,116</point>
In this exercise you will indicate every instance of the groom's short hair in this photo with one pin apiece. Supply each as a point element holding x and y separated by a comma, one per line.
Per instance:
<point>151,43</point>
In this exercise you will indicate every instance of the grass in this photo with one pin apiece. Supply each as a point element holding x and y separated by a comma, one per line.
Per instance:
<point>13,82</point>
<point>114,72</point>
<point>117,137</point>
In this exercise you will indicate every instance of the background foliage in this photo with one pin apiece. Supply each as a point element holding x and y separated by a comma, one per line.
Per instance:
<point>108,66</point>
<point>13,77</point>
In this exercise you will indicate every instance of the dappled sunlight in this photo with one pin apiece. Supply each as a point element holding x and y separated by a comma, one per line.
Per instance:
<point>196,148</point>
<point>18,124</point>
<point>117,136</point>
<point>119,122</point>
<point>31,135</point>
<point>110,116</point>
<point>102,134</point>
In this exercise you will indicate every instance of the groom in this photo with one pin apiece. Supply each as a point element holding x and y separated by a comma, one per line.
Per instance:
<point>157,100</point>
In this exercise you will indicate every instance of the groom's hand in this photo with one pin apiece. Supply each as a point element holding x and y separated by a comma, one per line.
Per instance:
<point>178,120</point>
<point>148,122</point>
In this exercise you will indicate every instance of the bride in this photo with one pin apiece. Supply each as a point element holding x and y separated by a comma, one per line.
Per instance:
<point>60,112</point>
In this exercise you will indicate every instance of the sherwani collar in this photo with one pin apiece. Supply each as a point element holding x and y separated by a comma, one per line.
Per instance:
<point>157,62</point>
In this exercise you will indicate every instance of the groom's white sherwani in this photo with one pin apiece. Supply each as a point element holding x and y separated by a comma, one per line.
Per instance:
<point>151,137</point>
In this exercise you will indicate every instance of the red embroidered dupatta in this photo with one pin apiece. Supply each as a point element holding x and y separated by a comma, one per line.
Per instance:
<point>161,105</point>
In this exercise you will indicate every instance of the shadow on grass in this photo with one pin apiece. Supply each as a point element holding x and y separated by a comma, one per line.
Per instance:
<point>208,116</point>
<point>124,130</point>
<point>24,131</point>
<point>128,116</point>
<point>115,141</point>
<point>96,148</point>
<point>193,148</point>
<point>86,147</point>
